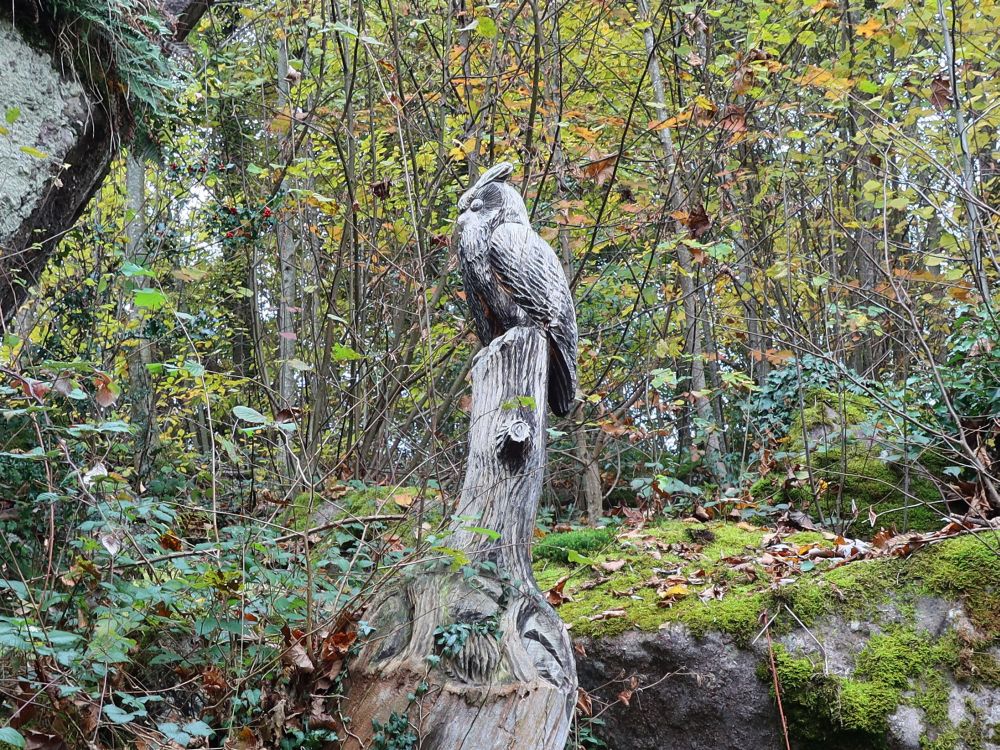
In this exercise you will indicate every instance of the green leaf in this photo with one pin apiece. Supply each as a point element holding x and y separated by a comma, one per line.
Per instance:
<point>488,533</point>
<point>575,557</point>
<point>343,28</point>
<point>194,369</point>
<point>663,377</point>
<point>249,415</point>
<point>150,299</point>
<point>298,364</point>
<point>486,27</point>
<point>34,152</point>
<point>120,715</point>
<point>174,732</point>
<point>35,454</point>
<point>12,737</point>
<point>130,269</point>
<point>528,402</point>
<point>12,114</point>
<point>199,729</point>
<point>343,353</point>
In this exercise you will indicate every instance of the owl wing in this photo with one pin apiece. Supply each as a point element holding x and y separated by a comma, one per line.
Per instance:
<point>477,306</point>
<point>527,269</point>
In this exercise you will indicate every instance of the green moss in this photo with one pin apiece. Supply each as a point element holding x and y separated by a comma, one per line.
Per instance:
<point>864,708</point>
<point>658,551</point>
<point>836,416</point>
<point>858,481</point>
<point>556,547</point>
<point>932,697</point>
<point>847,475</point>
<point>737,614</point>
<point>969,734</point>
<point>829,711</point>
<point>966,568</point>
<point>892,658</point>
<point>897,664</point>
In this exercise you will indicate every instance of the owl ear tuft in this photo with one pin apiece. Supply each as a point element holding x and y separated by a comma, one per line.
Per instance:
<point>497,173</point>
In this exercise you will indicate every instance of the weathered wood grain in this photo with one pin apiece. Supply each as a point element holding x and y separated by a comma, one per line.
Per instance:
<point>513,684</point>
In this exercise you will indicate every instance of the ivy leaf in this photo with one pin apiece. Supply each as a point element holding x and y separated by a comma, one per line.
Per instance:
<point>150,299</point>
<point>343,28</point>
<point>120,715</point>
<point>10,736</point>
<point>486,27</point>
<point>488,533</point>
<point>575,557</point>
<point>249,415</point>
<point>199,729</point>
<point>131,270</point>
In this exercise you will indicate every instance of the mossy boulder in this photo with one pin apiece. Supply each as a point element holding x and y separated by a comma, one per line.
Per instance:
<point>883,653</point>
<point>834,467</point>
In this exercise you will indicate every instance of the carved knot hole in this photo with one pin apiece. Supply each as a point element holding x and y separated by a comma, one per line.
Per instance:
<point>514,442</point>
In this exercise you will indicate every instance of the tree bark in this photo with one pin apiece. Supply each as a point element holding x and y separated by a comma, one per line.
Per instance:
<point>144,418</point>
<point>511,683</point>
<point>74,137</point>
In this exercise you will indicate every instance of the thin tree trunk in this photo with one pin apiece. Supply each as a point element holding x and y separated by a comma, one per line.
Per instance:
<point>967,163</point>
<point>511,682</point>
<point>286,254</point>
<point>143,397</point>
<point>693,339</point>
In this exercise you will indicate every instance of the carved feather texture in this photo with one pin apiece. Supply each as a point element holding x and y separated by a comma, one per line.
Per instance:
<point>512,277</point>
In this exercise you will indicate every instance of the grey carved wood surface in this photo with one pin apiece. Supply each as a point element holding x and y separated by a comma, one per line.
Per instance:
<point>511,687</point>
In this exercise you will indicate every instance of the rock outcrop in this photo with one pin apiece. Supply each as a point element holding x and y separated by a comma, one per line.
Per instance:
<point>883,652</point>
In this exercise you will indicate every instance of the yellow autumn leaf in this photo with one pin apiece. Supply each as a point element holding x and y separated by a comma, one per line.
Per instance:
<point>871,27</point>
<point>675,592</point>
<point>671,122</point>
<point>404,499</point>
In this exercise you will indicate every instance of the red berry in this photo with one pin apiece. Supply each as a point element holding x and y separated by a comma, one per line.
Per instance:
<point>233,210</point>
<point>229,235</point>
<point>267,213</point>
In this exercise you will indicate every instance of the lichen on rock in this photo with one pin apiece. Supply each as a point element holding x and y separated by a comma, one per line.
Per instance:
<point>42,113</point>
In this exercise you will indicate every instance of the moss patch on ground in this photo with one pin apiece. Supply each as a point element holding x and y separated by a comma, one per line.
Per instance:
<point>843,474</point>
<point>624,589</point>
<point>648,558</point>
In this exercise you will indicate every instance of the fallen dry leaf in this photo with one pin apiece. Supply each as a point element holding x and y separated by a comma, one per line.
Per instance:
<point>608,614</point>
<point>555,595</point>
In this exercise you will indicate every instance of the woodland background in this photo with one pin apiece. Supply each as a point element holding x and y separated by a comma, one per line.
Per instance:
<point>258,325</point>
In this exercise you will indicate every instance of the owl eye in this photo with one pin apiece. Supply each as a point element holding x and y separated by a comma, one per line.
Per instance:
<point>476,205</point>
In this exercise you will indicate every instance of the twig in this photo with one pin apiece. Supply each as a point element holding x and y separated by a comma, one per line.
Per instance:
<point>777,687</point>
<point>338,522</point>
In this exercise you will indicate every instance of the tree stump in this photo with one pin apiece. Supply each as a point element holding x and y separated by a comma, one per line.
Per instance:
<point>476,660</point>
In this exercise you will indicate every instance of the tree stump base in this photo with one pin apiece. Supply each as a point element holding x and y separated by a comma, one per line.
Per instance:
<point>467,654</point>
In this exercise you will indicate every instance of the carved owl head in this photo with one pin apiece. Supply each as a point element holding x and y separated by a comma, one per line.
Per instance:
<point>492,199</point>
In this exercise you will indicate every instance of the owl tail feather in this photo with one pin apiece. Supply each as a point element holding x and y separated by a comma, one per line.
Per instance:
<point>562,382</point>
